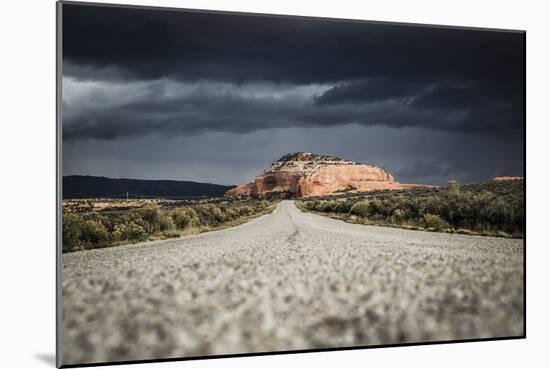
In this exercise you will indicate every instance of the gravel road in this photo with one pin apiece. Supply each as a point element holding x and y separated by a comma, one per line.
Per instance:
<point>288,281</point>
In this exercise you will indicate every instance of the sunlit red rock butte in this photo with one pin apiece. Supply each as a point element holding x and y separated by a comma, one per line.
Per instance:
<point>304,174</point>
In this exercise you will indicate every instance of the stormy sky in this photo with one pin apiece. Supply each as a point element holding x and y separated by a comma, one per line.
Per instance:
<point>216,98</point>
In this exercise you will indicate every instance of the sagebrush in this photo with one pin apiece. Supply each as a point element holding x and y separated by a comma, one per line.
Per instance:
<point>494,208</point>
<point>93,229</point>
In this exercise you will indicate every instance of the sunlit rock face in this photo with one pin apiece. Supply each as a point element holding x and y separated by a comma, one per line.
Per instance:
<point>507,178</point>
<point>305,174</point>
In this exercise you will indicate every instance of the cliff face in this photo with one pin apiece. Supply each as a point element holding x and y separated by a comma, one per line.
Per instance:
<point>304,174</point>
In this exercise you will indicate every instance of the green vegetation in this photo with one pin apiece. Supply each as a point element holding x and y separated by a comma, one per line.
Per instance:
<point>493,208</point>
<point>85,229</point>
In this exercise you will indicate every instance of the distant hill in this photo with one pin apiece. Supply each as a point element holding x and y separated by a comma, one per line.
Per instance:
<point>79,187</point>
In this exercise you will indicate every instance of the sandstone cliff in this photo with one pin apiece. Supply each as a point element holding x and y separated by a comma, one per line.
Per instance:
<point>507,178</point>
<point>305,174</point>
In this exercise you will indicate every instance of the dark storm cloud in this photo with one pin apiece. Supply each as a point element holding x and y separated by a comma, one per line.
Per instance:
<point>375,89</point>
<point>424,171</point>
<point>174,108</point>
<point>474,105</point>
<point>168,109</point>
<point>364,63</point>
<point>154,44</point>
<point>149,75</point>
<point>177,108</point>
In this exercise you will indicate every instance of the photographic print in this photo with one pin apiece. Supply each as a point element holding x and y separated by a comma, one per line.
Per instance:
<point>241,184</point>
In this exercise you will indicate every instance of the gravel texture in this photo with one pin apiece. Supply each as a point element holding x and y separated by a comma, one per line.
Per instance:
<point>288,281</point>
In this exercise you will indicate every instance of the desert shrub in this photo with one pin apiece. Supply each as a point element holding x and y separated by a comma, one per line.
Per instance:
<point>322,206</point>
<point>433,221</point>
<point>502,234</point>
<point>327,206</point>
<point>191,212</point>
<point>465,231</point>
<point>434,205</point>
<point>361,208</point>
<point>152,216</point>
<point>246,210</point>
<point>398,216</point>
<point>93,232</point>
<point>342,207</point>
<point>71,231</point>
<point>217,214</point>
<point>180,217</point>
<point>171,234</point>
<point>89,229</point>
<point>485,208</point>
<point>375,207</point>
<point>385,207</point>
<point>230,213</point>
<point>262,204</point>
<point>311,205</point>
<point>209,213</point>
<point>166,223</point>
<point>130,231</point>
<point>134,216</point>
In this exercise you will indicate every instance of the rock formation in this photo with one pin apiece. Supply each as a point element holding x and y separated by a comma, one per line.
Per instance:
<point>304,174</point>
<point>507,178</point>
